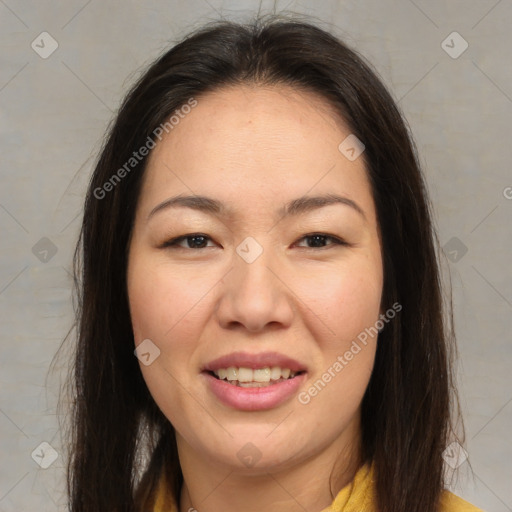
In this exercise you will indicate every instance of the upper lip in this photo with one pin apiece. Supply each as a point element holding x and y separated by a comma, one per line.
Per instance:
<point>254,361</point>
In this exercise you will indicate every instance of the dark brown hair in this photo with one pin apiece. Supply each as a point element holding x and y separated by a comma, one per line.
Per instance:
<point>119,437</point>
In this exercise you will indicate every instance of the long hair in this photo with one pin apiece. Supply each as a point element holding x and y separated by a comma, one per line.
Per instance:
<point>119,437</point>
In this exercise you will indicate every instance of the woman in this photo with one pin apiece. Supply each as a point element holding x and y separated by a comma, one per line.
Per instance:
<point>257,232</point>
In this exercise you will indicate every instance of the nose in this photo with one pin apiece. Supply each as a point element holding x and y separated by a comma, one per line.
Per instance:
<point>255,295</point>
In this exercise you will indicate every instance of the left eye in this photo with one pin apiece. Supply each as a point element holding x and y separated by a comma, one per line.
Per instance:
<point>319,239</point>
<point>199,241</point>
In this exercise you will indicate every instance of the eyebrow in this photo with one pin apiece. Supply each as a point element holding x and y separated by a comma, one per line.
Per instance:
<point>294,207</point>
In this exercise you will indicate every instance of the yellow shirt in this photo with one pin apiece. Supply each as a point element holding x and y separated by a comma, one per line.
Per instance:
<point>357,496</point>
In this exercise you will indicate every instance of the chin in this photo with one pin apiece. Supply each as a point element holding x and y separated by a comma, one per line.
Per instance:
<point>261,450</point>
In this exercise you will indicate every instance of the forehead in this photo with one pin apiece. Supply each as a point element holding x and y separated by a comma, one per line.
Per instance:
<point>238,119</point>
<point>273,143</point>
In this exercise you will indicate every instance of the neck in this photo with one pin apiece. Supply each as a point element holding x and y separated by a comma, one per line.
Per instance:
<point>310,484</point>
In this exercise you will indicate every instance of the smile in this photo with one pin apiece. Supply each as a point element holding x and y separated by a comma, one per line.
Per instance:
<point>259,377</point>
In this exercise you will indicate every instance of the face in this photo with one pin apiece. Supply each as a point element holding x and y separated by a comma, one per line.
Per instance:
<point>257,282</point>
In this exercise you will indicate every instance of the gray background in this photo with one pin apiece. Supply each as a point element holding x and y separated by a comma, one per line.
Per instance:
<point>54,112</point>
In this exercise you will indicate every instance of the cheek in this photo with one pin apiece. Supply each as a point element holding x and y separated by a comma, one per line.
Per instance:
<point>163,304</point>
<point>348,305</point>
<point>164,308</point>
<point>342,302</point>
<point>167,306</point>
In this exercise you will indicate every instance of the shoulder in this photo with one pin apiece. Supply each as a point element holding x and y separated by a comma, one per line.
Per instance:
<point>452,503</point>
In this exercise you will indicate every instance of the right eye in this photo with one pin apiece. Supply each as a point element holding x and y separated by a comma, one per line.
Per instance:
<point>193,240</point>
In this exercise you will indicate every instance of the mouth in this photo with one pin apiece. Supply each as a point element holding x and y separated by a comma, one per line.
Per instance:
<point>253,395</point>
<point>254,382</point>
<point>254,377</point>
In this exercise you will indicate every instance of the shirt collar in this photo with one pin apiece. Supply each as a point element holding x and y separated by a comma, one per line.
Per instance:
<point>356,496</point>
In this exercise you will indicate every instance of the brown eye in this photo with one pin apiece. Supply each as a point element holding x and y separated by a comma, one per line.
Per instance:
<point>319,240</point>
<point>193,241</point>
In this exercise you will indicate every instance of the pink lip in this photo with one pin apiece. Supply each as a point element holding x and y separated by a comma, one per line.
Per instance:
<point>254,361</point>
<point>253,399</point>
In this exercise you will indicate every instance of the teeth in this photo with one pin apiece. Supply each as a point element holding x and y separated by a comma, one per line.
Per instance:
<point>247,377</point>
<point>253,384</point>
<point>261,375</point>
<point>275,373</point>
<point>231,373</point>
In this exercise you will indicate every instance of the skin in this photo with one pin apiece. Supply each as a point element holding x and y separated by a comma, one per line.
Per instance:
<point>255,148</point>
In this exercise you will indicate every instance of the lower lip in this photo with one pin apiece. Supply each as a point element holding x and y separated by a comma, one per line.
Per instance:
<point>254,399</point>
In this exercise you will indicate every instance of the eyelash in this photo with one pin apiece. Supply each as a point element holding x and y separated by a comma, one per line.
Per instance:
<point>173,243</point>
